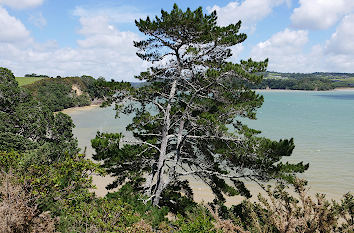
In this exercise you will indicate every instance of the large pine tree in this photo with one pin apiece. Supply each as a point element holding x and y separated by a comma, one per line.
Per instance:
<point>188,118</point>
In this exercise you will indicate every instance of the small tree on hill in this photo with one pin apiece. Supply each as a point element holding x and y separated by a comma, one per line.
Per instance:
<point>187,117</point>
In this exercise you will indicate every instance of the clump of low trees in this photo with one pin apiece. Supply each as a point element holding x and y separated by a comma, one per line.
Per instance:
<point>58,93</point>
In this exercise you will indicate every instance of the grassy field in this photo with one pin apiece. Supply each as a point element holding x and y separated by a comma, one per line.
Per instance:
<point>22,81</point>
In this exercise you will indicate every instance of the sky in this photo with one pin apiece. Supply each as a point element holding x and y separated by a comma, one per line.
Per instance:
<point>95,37</point>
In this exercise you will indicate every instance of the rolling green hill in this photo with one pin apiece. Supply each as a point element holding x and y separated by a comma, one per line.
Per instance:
<point>22,81</point>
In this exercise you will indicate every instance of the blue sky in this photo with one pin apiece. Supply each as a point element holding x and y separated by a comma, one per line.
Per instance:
<point>95,37</point>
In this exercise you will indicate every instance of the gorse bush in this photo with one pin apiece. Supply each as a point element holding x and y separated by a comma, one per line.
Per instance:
<point>283,212</point>
<point>19,211</point>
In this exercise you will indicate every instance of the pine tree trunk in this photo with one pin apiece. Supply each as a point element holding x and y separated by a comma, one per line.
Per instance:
<point>160,182</point>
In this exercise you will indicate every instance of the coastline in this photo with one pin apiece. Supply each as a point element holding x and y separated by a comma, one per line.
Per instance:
<point>344,89</point>
<point>94,104</point>
<point>288,90</point>
<point>97,103</point>
<point>83,108</point>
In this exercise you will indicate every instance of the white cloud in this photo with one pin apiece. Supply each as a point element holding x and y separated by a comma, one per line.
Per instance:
<point>112,50</point>
<point>122,14</point>
<point>339,49</point>
<point>236,51</point>
<point>287,51</point>
<point>95,25</point>
<point>104,51</point>
<point>21,4</point>
<point>12,29</point>
<point>320,14</point>
<point>38,20</point>
<point>342,40</point>
<point>284,50</point>
<point>284,42</point>
<point>248,11</point>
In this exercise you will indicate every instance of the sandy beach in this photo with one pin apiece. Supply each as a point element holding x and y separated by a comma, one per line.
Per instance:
<point>78,109</point>
<point>344,89</point>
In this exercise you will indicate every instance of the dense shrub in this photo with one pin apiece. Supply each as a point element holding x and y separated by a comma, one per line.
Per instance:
<point>58,93</point>
<point>27,124</point>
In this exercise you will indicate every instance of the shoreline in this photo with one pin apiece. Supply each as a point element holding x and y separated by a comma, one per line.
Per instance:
<point>82,108</point>
<point>94,104</point>
<point>288,90</point>
<point>344,89</point>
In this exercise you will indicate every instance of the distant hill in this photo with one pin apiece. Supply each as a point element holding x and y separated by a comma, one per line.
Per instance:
<point>338,79</point>
<point>60,93</point>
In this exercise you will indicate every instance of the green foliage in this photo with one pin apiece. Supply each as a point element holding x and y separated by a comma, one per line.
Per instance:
<point>41,149</point>
<point>199,220</point>
<point>343,82</point>
<point>8,160</point>
<point>60,186</point>
<point>152,214</point>
<point>57,93</point>
<point>26,124</point>
<point>98,88</point>
<point>60,183</point>
<point>107,144</point>
<point>19,211</point>
<point>98,215</point>
<point>178,198</point>
<point>61,93</point>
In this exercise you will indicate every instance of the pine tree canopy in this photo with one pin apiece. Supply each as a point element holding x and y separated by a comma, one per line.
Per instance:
<point>188,118</point>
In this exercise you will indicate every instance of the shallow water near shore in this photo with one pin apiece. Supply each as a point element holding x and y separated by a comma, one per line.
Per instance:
<point>321,123</point>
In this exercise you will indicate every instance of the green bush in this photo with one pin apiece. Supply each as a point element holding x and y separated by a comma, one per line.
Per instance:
<point>197,221</point>
<point>147,211</point>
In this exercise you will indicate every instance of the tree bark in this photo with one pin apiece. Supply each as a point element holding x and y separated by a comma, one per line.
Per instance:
<point>160,183</point>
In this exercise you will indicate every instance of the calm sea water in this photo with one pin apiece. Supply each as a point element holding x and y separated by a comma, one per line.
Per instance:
<point>321,123</point>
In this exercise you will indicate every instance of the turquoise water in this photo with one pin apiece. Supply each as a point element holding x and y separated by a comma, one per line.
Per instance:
<point>321,123</point>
